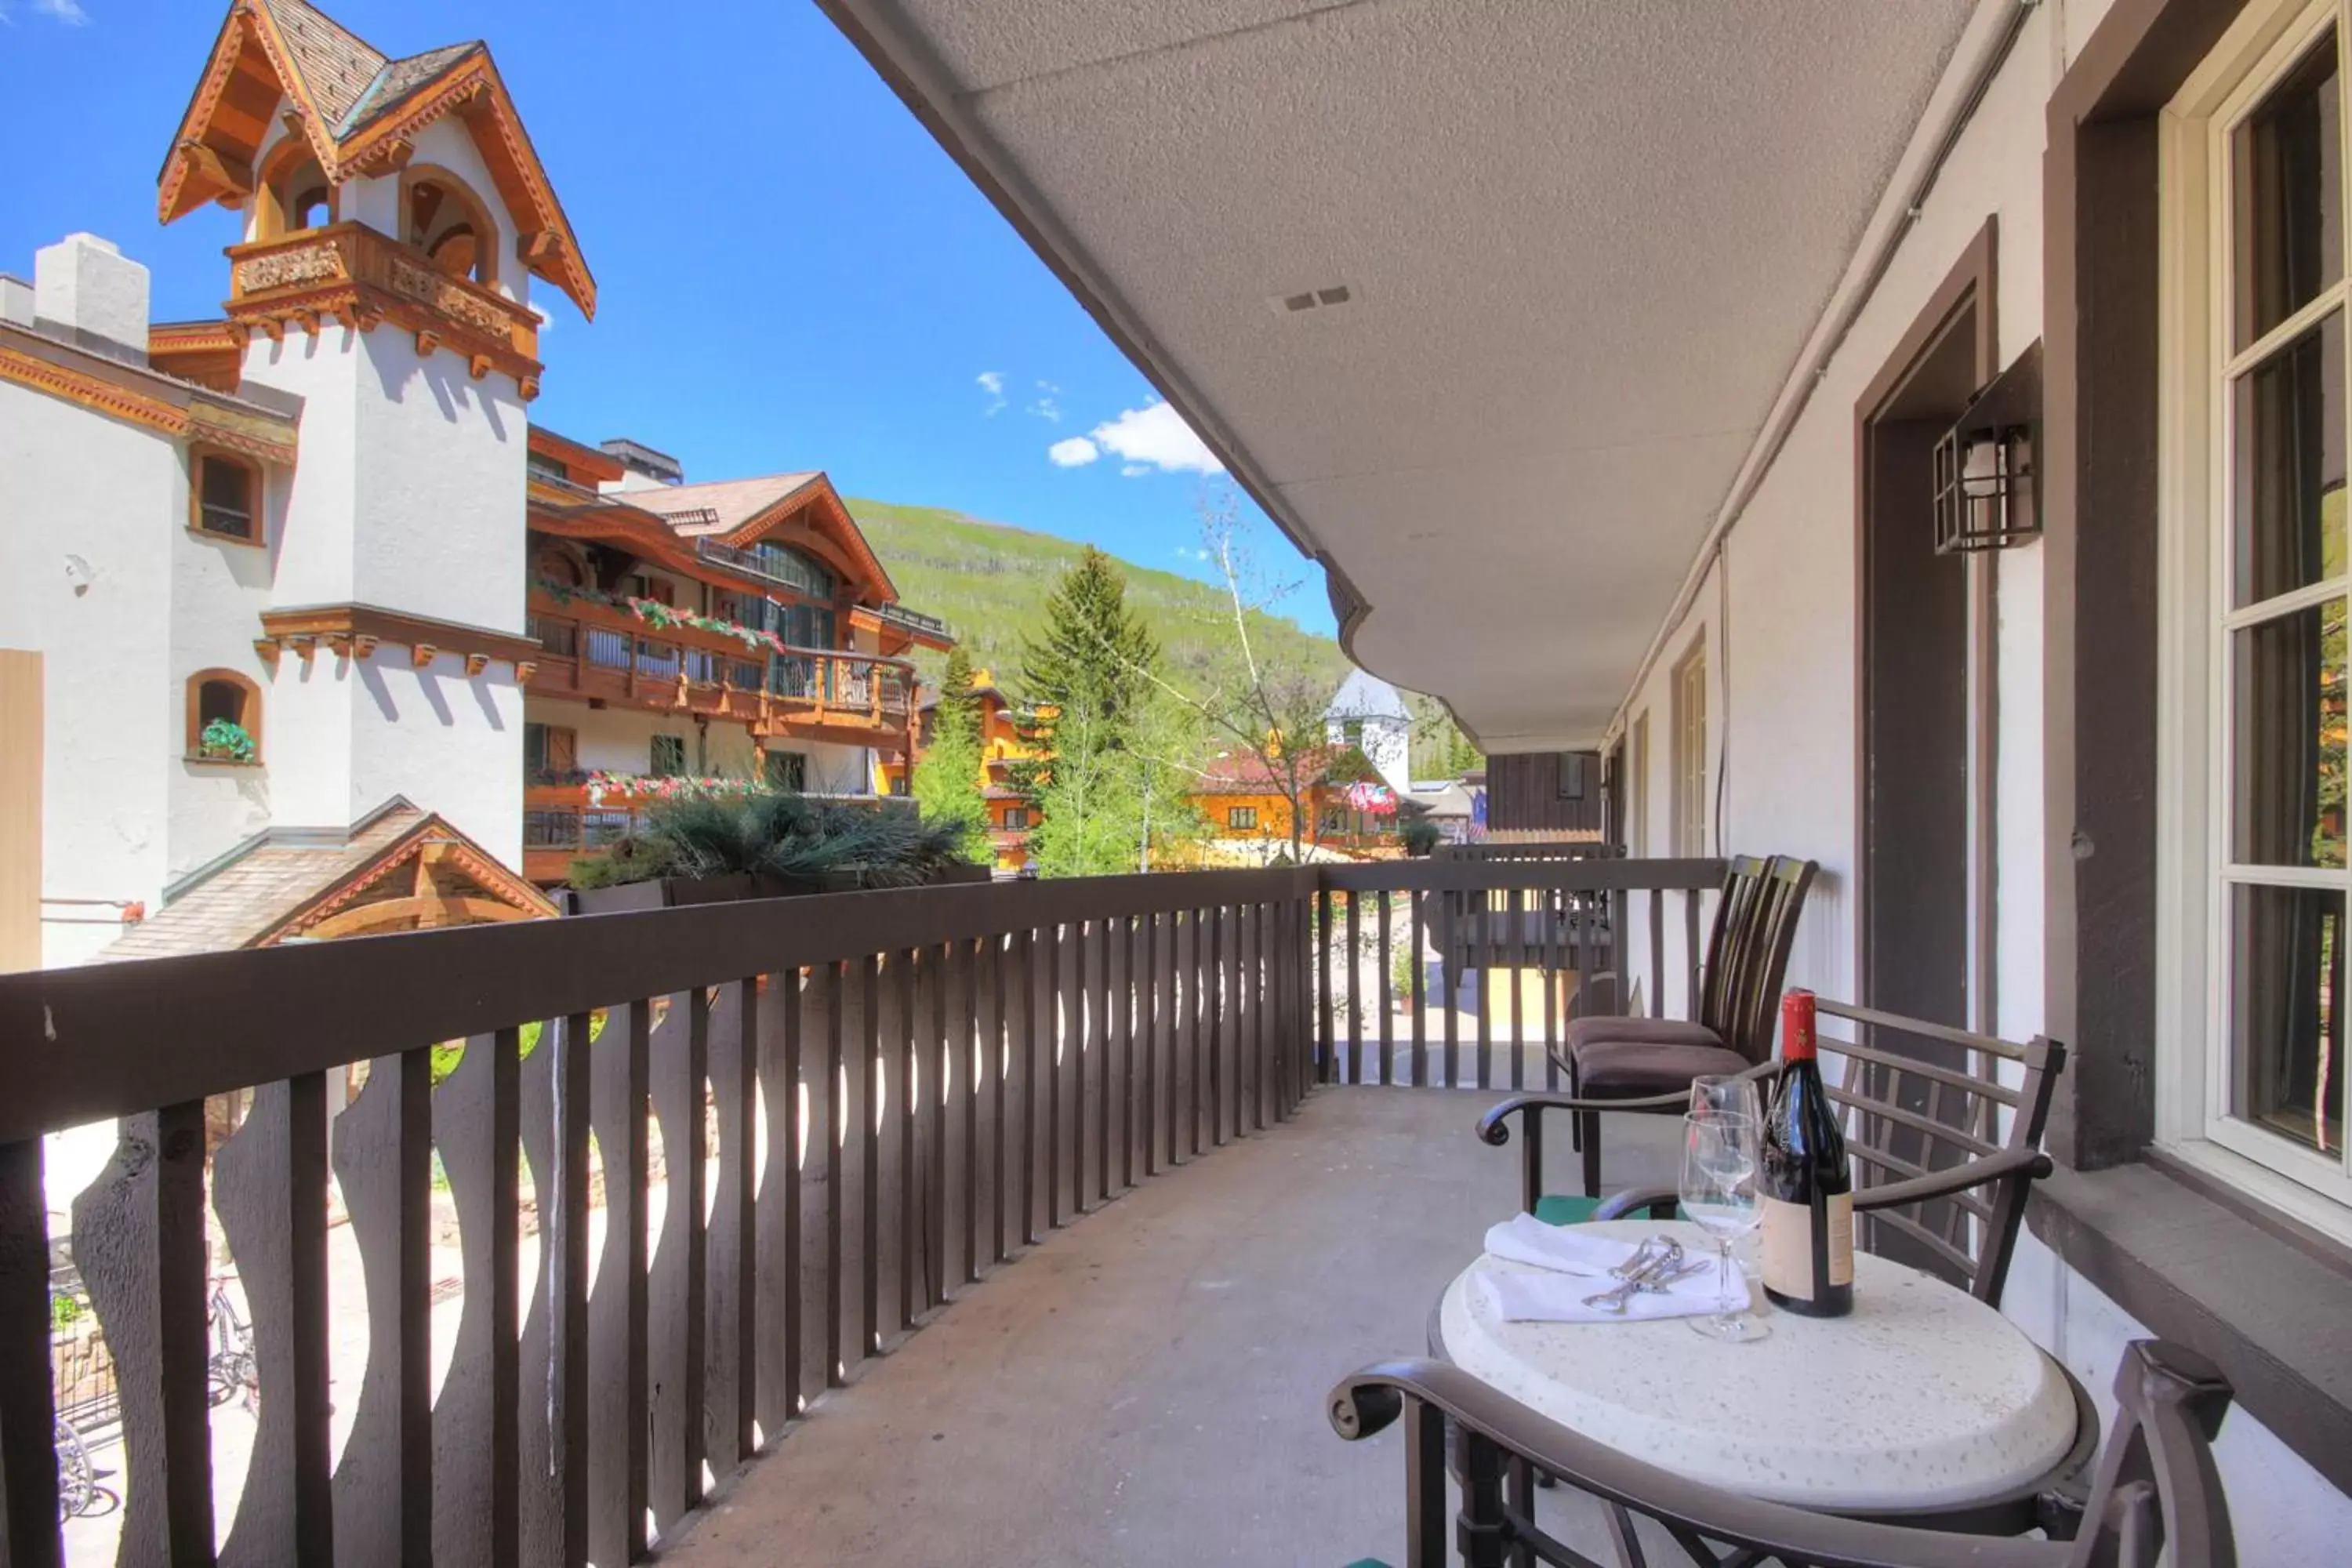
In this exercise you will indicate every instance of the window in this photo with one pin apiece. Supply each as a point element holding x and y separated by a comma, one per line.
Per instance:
<point>2251,685</point>
<point>668,756</point>
<point>545,466</point>
<point>792,567</point>
<point>223,717</point>
<point>442,217</point>
<point>550,753</point>
<point>1573,783</point>
<point>227,496</point>
<point>1242,818</point>
<point>1016,817</point>
<point>786,770</point>
<point>1637,789</point>
<point>294,193</point>
<point>1690,752</point>
<point>1352,731</point>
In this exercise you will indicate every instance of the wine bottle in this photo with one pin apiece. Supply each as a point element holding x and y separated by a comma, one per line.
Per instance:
<point>1806,1185</point>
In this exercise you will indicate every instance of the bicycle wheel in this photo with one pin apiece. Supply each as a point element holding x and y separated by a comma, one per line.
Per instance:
<point>77,1480</point>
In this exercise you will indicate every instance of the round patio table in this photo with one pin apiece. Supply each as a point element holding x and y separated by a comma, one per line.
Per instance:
<point>1923,1405</point>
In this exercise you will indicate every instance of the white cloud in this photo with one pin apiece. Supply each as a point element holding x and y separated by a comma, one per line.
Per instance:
<point>546,322</point>
<point>992,381</point>
<point>1074,452</point>
<point>1155,437</point>
<point>1133,470</point>
<point>69,12</point>
<point>1048,410</point>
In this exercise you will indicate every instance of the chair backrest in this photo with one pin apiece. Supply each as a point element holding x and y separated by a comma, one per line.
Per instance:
<point>1748,948</point>
<point>2157,1494</point>
<point>1923,1099</point>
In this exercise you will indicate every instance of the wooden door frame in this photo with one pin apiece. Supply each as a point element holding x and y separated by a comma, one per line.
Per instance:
<point>1967,300</point>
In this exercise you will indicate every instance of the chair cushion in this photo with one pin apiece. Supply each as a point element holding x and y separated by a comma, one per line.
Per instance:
<point>1636,1067</point>
<point>1560,1208</point>
<point>1584,1032</point>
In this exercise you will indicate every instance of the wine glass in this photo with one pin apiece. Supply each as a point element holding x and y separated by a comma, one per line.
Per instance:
<point>1719,1194</point>
<point>1727,1094</point>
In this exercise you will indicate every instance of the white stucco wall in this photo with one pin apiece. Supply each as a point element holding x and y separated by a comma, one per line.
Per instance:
<point>1777,610</point>
<point>86,568</point>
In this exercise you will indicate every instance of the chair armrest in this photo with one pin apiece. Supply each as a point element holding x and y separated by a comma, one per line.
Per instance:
<point>1621,1205</point>
<point>1495,1126</point>
<point>1985,1168</point>
<point>1373,1399</point>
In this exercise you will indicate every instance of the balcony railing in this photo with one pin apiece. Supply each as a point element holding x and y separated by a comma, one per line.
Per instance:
<point>915,621</point>
<point>882,1095</point>
<point>598,650</point>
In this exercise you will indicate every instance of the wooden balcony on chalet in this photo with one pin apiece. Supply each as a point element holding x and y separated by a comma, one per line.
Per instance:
<point>603,653</point>
<point>564,819</point>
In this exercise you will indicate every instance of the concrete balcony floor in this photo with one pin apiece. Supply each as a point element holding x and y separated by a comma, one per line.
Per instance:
<point>1146,1387</point>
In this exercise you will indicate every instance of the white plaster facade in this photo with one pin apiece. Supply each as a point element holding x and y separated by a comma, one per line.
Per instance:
<point>1774,608</point>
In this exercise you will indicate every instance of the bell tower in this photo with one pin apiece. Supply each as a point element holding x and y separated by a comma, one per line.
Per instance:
<point>395,220</point>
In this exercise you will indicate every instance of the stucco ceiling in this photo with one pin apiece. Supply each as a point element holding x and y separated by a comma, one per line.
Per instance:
<point>1585,241</point>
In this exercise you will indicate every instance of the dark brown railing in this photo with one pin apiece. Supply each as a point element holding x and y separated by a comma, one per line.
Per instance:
<point>1407,982</point>
<point>805,1123</point>
<point>967,1067</point>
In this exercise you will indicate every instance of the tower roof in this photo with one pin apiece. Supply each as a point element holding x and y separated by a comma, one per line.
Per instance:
<point>1364,695</point>
<point>360,109</point>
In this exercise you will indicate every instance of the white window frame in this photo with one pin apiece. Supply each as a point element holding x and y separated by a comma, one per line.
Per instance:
<point>2197,274</point>
<point>1637,800</point>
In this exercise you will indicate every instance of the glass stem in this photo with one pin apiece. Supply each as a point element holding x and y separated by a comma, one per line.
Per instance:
<point>1723,1280</point>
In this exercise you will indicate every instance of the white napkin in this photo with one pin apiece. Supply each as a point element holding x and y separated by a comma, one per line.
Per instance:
<point>1565,1267</point>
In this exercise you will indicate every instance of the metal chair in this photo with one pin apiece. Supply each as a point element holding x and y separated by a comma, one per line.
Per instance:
<point>1940,1183</point>
<point>1628,1063</point>
<point>2158,1493</point>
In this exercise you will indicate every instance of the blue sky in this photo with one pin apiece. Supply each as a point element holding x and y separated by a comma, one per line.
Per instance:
<point>790,274</point>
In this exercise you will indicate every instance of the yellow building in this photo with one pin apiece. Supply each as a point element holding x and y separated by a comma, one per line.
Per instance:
<point>1011,815</point>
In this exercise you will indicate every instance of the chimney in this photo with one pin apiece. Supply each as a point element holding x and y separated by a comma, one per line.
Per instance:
<point>16,301</point>
<point>89,293</point>
<point>642,466</point>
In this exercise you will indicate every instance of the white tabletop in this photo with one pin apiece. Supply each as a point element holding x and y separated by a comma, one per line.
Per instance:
<point>1923,1398</point>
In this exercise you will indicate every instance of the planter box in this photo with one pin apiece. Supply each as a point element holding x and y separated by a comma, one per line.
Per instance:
<point>677,892</point>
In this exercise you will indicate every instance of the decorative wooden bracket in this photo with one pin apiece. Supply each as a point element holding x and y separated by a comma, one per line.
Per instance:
<point>395,155</point>
<point>308,320</point>
<point>342,643</point>
<point>267,651</point>
<point>524,670</point>
<point>362,644</point>
<point>476,662</point>
<point>422,654</point>
<point>480,366</point>
<point>538,245</point>
<point>305,645</point>
<point>427,340</point>
<point>527,387</point>
<point>366,316</point>
<point>272,329</point>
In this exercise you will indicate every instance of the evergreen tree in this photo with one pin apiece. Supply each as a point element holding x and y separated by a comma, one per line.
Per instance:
<point>1089,682</point>
<point>947,780</point>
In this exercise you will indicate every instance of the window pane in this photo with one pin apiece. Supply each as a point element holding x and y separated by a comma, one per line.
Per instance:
<point>2288,530</point>
<point>2286,745</point>
<point>2286,1036</point>
<point>2288,163</point>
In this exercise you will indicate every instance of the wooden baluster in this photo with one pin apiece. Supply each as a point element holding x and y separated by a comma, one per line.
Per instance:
<point>1132,1006</point>
<point>731,1330</point>
<point>1057,1004</point>
<point>907,1172</point>
<point>1449,977</point>
<point>269,1187</point>
<point>541,1401</point>
<point>966,1044</point>
<point>938,1082</point>
<point>1031,994</point>
<point>382,1159</point>
<point>677,1070</point>
<point>1657,902</point>
<point>477,1121</point>
<point>1327,1065</point>
<point>995,1048</point>
<point>836,999</point>
<point>28,1459</point>
<point>1204,1030</point>
<point>617,1311</point>
<point>1101,1045</point>
<point>1417,911</point>
<point>864,1126</point>
<point>781,1316</point>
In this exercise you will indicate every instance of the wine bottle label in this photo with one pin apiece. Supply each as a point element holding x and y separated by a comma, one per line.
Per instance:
<point>1787,1246</point>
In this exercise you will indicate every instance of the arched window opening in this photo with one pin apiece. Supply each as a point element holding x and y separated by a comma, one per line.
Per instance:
<point>446,220</point>
<point>223,717</point>
<point>560,567</point>
<point>295,194</point>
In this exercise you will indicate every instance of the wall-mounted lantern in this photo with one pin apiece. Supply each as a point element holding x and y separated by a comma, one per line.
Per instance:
<point>1987,479</point>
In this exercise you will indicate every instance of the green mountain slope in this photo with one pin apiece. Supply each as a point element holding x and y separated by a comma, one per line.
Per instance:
<point>989,582</point>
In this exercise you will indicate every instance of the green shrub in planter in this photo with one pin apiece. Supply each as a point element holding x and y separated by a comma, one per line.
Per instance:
<point>225,741</point>
<point>779,836</point>
<point>1420,836</point>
